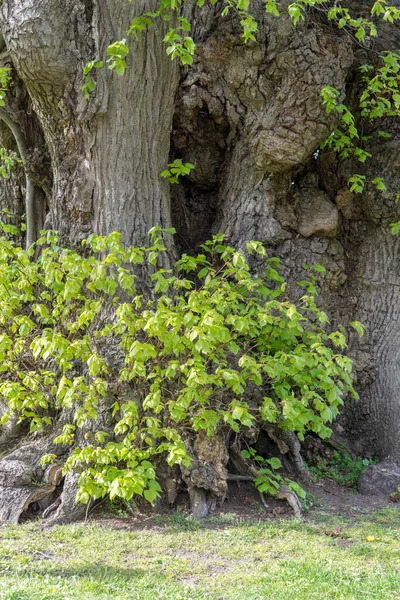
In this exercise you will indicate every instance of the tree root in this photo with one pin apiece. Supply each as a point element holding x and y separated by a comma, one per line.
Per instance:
<point>341,444</point>
<point>27,488</point>
<point>66,509</point>
<point>288,443</point>
<point>24,482</point>
<point>283,493</point>
<point>263,501</point>
<point>206,476</point>
<point>201,503</point>
<point>51,508</point>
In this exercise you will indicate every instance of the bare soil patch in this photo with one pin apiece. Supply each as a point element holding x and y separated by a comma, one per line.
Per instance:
<point>325,498</point>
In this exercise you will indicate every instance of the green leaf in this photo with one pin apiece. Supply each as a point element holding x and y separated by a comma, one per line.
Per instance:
<point>271,8</point>
<point>297,489</point>
<point>296,13</point>
<point>150,494</point>
<point>358,327</point>
<point>395,228</point>
<point>275,463</point>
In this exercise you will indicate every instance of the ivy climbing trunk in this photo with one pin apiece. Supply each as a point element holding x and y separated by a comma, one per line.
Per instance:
<point>249,116</point>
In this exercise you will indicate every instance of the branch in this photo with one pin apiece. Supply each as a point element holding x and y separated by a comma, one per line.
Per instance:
<point>234,477</point>
<point>30,186</point>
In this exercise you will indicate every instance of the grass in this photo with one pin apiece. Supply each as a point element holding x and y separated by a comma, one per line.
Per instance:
<point>226,558</point>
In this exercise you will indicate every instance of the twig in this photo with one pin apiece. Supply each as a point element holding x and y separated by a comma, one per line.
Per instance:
<point>263,501</point>
<point>43,554</point>
<point>87,510</point>
<point>234,477</point>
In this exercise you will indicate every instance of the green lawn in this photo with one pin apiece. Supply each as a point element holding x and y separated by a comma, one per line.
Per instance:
<point>180,559</point>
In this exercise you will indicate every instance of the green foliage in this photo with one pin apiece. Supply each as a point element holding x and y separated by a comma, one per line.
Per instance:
<point>7,162</point>
<point>395,228</point>
<point>343,139</point>
<point>268,480</point>
<point>117,53</point>
<point>181,520</point>
<point>4,81</point>
<point>310,501</point>
<point>182,46</point>
<point>380,99</point>
<point>388,13</point>
<point>357,183</point>
<point>359,26</point>
<point>90,85</point>
<point>117,507</point>
<point>176,170</point>
<point>341,468</point>
<point>362,28</point>
<point>189,352</point>
<point>178,45</point>
<point>358,327</point>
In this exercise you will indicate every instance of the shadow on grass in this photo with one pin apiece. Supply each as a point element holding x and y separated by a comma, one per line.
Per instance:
<point>88,571</point>
<point>59,582</point>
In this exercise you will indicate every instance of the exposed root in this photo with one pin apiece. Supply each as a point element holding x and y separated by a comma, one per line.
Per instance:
<point>289,444</point>
<point>339,443</point>
<point>25,482</point>
<point>283,493</point>
<point>234,477</point>
<point>263,501</point>
<point>198,502</point>
<point>53,507</point>
<point>67,510</point>
<point>206,476</point>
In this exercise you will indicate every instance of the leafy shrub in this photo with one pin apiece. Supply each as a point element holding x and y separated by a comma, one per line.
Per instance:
<point>268,479</point>
<point>162,353</point>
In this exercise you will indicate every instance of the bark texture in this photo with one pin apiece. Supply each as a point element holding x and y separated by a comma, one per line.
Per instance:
<point>250,117</point>
<point>257,111</point>
<point>106,155</point>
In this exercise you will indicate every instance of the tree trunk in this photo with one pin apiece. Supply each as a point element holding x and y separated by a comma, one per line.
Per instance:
<point>251,119</point>
<point>106,154</point>
<point>260,104</point>
<point>371,295</point>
